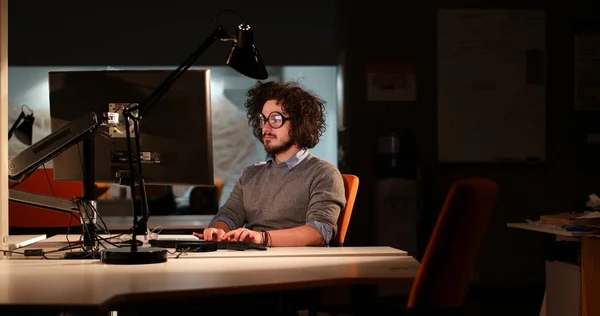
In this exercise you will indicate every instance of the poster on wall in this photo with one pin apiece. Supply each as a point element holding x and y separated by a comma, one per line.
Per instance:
<point>587,68</point>
<point>491,85</point>
<point>391,82</point>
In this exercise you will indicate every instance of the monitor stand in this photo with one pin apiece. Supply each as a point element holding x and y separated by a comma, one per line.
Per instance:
<point>87,205</point>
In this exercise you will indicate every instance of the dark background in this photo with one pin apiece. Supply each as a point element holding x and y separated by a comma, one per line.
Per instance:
<point>352,34</point>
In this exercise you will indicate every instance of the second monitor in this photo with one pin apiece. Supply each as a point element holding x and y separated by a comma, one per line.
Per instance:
<point>175,135</point>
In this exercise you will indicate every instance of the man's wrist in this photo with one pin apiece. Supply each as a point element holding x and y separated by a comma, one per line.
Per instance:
<point>220,225</point>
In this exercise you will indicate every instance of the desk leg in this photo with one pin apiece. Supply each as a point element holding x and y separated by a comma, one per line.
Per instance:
<point>590,276</point>
<point>543,309</point>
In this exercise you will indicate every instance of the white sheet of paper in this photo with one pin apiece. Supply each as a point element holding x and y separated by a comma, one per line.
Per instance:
<point>491,85</point>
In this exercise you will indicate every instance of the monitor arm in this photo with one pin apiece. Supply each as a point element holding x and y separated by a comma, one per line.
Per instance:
<point>47,202</point>
<point>22,166</point>
<point>27,161</point>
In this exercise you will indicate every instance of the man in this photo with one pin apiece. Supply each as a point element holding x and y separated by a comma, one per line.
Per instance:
<point>294,198</point>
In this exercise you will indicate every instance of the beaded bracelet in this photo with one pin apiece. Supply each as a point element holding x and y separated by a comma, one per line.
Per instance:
<point>266,238</point>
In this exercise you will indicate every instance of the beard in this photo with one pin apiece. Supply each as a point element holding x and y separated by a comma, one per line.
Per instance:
<point>278,149</point>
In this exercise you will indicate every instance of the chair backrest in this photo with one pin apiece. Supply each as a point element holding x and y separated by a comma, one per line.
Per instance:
<point>20,215</point>
<point>219,185</point>
<point>444,275</point>
<point>351,187</point>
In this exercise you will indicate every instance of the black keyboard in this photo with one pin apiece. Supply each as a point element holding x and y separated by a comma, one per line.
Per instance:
<point>239,245</point>
<point>201,246</point>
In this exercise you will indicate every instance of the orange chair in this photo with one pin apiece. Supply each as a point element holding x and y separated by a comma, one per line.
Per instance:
<point>351,187</point>
<point>219,185</point>
<point>103,191</point>
<point>441,284</point>
<point>23,216</point>
<point>442,281</point>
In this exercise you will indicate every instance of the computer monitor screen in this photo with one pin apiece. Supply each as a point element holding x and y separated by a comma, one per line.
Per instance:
<point>175,134</point>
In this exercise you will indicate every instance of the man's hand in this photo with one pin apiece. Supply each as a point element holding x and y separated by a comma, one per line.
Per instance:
<point>244,234</point>
<point>211,234</point>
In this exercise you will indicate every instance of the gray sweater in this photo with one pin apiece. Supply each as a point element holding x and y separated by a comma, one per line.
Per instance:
<point>305,190</point>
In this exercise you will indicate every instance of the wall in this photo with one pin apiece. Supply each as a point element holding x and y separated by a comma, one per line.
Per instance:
<point>322,82</point>
<point>157,32</point>
<point>507,256</point>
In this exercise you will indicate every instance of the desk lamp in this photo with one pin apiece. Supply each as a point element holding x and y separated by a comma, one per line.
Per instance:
<point>244,58</point>
<point>23,131</point>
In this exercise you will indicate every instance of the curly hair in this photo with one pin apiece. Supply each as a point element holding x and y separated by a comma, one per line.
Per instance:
<point>306,111</point>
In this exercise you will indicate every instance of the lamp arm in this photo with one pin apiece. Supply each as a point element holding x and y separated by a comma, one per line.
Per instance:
<point>142,108</point>
<point>16,124</point>
<point>156,95</point>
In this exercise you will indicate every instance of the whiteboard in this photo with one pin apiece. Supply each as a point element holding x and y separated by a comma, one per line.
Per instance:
<point>491,85</point>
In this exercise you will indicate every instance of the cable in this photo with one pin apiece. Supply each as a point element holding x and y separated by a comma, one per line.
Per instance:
<point>12,252</point>
<point>86,231</point>
<point>106,240</point>
<point>43,254</point>
<point>86,206</point>
<point>230,11</point>
<point>48,178</point>
<point>72,215</point>
<point>153,234</point>
<point>69,230</point>
<point>183,251</point>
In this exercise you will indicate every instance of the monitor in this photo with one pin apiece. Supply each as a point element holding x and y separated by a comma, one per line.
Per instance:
<point>175,134</point>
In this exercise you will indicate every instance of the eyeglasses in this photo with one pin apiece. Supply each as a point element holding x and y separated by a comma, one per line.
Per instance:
<point>275,119</point>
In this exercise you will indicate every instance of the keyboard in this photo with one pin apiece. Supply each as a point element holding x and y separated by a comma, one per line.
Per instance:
<point>239,245</point>
<point>202,246</point>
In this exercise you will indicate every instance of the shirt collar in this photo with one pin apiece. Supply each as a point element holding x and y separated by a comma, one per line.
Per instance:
<point>294,160</point>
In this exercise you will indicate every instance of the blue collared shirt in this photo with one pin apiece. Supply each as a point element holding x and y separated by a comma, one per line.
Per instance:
<point>292,161</point>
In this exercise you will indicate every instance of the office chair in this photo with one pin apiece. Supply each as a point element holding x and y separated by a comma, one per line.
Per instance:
<point>351,189</point>
<point>23,219</point>
<point>442,282</point>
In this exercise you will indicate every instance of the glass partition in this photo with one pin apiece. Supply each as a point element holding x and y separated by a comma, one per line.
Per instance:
<point>234,146</point>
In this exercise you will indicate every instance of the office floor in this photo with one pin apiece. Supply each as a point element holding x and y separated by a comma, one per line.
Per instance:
<point>513,301</point>
<point>482,301</point>
<point>496,301</point>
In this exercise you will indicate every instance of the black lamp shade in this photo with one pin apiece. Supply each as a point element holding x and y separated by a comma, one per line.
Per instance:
<point>24,131</point>
<point>244,56</point>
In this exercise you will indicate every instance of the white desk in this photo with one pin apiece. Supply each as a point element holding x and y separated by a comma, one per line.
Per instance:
<point>58,241</point>
<point>542,229</point>
<point>96,286</point>
<point>303,252</point>
<point>590,247</point>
